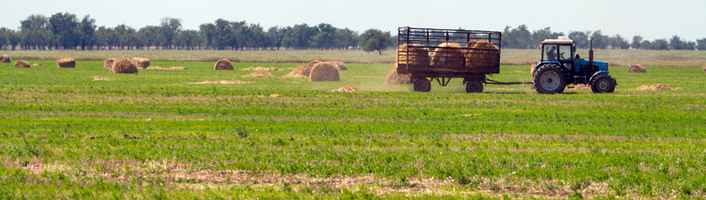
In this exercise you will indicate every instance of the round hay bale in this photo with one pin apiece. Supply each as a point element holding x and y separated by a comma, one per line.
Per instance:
<point>108,63</point>
<point>259,74</point>
<point>340,66</point>
<point>142,63</point>
<point>302,71</point>
<point>636,68</point>
<point>123,65</point>
<point>345,88</point>
<point>312,63</point>
<point>412,54</point>
<point>324,71</point>
<point>394,78</point>
<point>482,54</point>
<point>22,64</point>
<point>448,54</point>
<point>5,59</point>
<point>223,64</point>
<point>68,62</point>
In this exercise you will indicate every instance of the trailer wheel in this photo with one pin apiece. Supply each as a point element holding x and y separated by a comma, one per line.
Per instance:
<point>603,84</point>
<point>549,79</point>
<point>422,85</point>
<point>474,86</point>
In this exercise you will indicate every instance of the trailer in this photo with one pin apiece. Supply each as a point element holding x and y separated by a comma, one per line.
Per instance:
<point>429,54</point>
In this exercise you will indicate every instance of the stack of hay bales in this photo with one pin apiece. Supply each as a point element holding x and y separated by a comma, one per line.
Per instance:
<point>141,63</point>
<point>324,71</point>
<point>482,54</point>
<point>302,71</point>
<point>22,64</point>
<point>340,66</point>
<point>223,64</point>
<point>636,68</point>
<point>108,63</point>
<point>123,65</point>
<point>66,62</point>
<point>5,59</point>
<point>448,54</point>
<point>395,78</point>
<point>413,55</point>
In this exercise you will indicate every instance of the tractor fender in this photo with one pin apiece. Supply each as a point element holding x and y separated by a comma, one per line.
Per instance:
<point>590,80</point>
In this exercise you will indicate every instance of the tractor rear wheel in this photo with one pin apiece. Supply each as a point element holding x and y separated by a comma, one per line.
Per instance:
<point>549,79</point>
<point>422,85</point>
<point>603,83</point>
<point>474,86</point>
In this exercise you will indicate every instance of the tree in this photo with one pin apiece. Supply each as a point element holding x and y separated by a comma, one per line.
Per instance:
<point>600,41</point>
<point>276,34</point>
<point>64,26</point>
<point>170,27</point>
<point>346,38</point>
<point>324,37</point>
<point>701,44</point>
<point>374,39</point>
<point>35,33</point>
<point>660,44</point>
<point>542,34</point>
<point>618,42</point>
<point>517,38</point>
<point>636,41</point>
<point>298,36</point>
<point>87,28</point>
<point>580,39</point>
<point>3,37</point>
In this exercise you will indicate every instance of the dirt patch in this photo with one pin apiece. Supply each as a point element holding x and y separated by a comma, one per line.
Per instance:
<point>656,87</point>
<point>222,82</point>
<point>98,78</point>
<point>344,89</point>
<point>260,68</point>
<point>259,74</point>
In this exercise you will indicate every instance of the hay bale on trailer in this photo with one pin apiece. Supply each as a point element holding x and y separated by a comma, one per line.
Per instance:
<point>302,71</point>
<point>5,59</point>
<point>22,64</point>
<point>412,54</point>
<point>124,66</point>
<point>223,64</point>
<point>394,78</point>
<point>68,62</point>
<point>448,54</point>
<point>482,54</point>
<point>636,68</point>
<point>340,66</point>
<point>142,63</point>
<point>108,63</point>
<point>324,71</point>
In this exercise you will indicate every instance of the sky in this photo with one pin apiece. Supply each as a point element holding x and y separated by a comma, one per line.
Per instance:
<point>651,19</point>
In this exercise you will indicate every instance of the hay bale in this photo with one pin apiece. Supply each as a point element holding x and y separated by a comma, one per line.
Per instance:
<point>704,68</point>
<point>394,78</point>
<point>324,71</point>
<point>482,54</point>
<point>636,68</point>
<point>22,64</point>
<point>223,64</point>
<point>412,54</point>
<point>340,66</point>
<point>68,62</point>
<point>123,65</point>
<point>312,63</point>
<point>448,54</point>
<point>37,64</point>
<point>259,74</point>
<point>142,63</point>
<point>345,88</point>
<point>108,63</point>
<point>5,59</point>
<point>532,68</point>
<point>302,71</point>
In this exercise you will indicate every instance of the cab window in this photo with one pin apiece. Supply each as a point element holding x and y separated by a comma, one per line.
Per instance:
<point>550,52</point>
<point>564,52</point>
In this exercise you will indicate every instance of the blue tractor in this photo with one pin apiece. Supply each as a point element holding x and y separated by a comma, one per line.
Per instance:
<point>560,66</point>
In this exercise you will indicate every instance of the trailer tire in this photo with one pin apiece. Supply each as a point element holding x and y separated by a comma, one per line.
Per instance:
<point>549,79</point>
<point>422,85</point>
<point>475,86</point>
<point>603,83</point>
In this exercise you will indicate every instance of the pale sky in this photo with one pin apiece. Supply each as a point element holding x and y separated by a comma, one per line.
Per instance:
<point>652,19</point>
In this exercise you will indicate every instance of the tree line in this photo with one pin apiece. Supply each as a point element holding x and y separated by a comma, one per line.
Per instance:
<point>521,38</point>
<point>67,31</point>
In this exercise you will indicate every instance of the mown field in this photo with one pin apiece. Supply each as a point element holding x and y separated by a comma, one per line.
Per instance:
<point>153,136</point>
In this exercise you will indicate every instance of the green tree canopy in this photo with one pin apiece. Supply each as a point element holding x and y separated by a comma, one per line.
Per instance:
<point>374,40</point>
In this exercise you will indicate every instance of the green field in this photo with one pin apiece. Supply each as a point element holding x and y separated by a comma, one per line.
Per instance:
<point>153,136</point>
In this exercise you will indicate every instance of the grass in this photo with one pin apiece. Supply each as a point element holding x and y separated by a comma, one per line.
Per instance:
<point>509,56</point>
<point>152,135</point>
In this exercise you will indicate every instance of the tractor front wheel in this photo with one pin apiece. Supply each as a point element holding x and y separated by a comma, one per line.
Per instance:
<point>549,79</point>
<point>603,83</point>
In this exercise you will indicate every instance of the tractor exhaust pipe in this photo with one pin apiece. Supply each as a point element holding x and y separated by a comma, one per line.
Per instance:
<point>590,54</point>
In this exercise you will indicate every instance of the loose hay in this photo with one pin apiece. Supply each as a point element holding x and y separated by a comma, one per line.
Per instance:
<point>482,54</point>
<point>37,64</point>
<point>176,68</point>
<point>324,71</point>
<point>259,74</point>
<point>98,78</point>
<point>413,55</point>
<point>222,82</point>
<point>154,67</point>
<point>275,95</point>
<point>340,66</point>
<point>5,59</point>
<point>394,78</point>
<point>344,89</point>
<point>657,87</point>
<point>123,65</point>
<point>261,68</point>
<point>533,68</point>
<point>448,54</point>
<point>22,64</point>
<point>223,64</point>
<point>636,68</point>
<point>581,87</point>
<point>302,71</point>
<point>66,62</point>
<point>108,63</point>
<point>141,62</point>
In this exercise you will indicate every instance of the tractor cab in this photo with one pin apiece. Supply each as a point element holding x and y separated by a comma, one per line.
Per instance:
<point>559,67</point>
